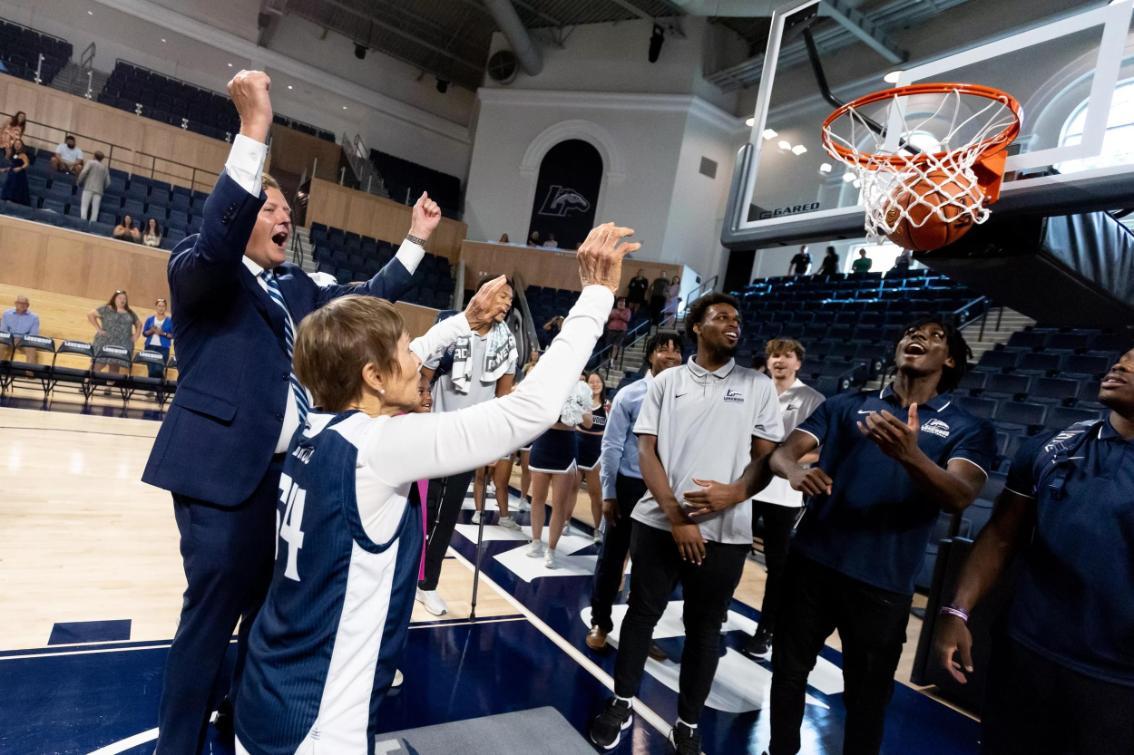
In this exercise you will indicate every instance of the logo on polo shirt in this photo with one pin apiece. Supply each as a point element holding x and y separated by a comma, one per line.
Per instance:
<point>734,396</point>
<point>935,427</point>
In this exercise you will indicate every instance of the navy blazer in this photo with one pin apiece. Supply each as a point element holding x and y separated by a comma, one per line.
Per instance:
<point>221,429</point>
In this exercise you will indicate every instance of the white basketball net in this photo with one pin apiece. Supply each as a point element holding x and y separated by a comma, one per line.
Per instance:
<point>948,140</point>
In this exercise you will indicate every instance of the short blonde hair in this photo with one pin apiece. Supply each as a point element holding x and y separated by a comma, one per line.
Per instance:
<point>336,341</point>
<point>268,182</point>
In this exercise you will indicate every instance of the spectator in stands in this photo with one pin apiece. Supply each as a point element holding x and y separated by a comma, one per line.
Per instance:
<point>862,264</point>
<point>158,334</point>
<point>902,261</point>
<point>658,291</point>
<point>554,465</point>
<point>94,178</point>
<point>672,299</point>
<point>551,330</point>
<point>115,325</point>
<point>636,291</point>
<point>622,485</point>
<point>800,263</point>
<point>705,432</point>
<point>550,242</point>
<point>13,130</point>
<point>151,237</point>
<point>16,182</point>
<point>1061,675</point>
<point>616,327</point>
<point>67,158</point>
<point>533,238</point>
<point>778,504</point>
<point>476,368</point>
<point>20,321</point>
<point>127,230</point>
<point>829,267</point>
<point>890,462</point>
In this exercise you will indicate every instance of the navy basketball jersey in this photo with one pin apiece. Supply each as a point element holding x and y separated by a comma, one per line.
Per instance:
<point>324,647</point>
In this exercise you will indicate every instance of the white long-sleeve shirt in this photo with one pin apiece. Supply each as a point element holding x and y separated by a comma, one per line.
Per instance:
<point>393,452</point>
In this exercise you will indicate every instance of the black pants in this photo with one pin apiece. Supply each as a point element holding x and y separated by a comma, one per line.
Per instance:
<point>612,556</point>
<point>446,497</point>
<point>708,588</point>
<point>228,555</point>
<point>657,304</point>
<point>872,626</point>
<point>778,524</point>
<point>1035,707</point>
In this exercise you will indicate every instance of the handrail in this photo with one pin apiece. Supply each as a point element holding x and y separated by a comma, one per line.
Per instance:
<point>86,65</point>
<point>367,175</point>
<point>704,287</point>
<point>530,330</point>
<point>148,166</point>
<point>601,361</point>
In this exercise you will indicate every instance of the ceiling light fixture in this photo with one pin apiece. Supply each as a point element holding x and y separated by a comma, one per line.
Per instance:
<point>798,149</point>
<point>784,144</point>
<point>893,77</point>
<point>750,122</point>
<point>770,134</point>
<point>825,168</point>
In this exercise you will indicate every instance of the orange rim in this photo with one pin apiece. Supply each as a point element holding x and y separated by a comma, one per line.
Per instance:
<point>989,144</point>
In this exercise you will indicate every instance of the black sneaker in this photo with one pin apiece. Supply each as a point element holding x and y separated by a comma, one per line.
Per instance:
<point>685,741</point>
<point>758,645</point>
<point>607,727</point>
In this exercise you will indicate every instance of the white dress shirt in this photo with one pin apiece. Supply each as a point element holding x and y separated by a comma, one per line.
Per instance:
<point>245,166</point>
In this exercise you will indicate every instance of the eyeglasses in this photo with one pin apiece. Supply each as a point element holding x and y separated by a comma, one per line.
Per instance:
<point>119,291</point>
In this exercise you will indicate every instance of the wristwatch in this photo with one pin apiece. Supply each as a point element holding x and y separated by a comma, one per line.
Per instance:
<point>414,239</point>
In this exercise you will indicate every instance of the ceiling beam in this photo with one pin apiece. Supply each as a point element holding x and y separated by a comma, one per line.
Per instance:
<point>556,22</point>
<point>630,7</point>
<point>862,27</point>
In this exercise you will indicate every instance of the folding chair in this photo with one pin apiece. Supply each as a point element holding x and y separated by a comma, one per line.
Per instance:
<point>118,356</point>
<point>156,385</point>
<point>31,372</point>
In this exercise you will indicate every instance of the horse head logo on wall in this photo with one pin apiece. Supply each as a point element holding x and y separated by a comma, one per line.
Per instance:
<point>562,201</point>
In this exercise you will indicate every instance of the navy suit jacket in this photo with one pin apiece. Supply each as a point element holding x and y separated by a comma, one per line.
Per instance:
<point>220,433</point>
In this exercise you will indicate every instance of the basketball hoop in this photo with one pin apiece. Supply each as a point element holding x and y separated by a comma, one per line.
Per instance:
<point>929,157</point>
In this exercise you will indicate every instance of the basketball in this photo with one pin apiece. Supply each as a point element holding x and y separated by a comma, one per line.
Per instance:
<point>927,213</point>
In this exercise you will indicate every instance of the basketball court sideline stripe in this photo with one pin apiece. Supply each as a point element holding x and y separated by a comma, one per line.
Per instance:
<point>117,647</point>
<point>129,743</point>
<point>648,715</point>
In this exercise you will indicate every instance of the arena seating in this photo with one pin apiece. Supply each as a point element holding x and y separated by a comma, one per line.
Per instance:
<point>56,200</point>
<point>406,180</point>
<point>180,104</point>
<point>847,324</point>
<point>20,48</point>
<point>351,257</point>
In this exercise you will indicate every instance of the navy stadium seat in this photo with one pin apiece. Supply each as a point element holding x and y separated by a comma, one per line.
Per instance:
<point>1021,413</point>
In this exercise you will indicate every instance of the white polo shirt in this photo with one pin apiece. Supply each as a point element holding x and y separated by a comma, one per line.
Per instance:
<point>704,422</point>
<point>796,405</point>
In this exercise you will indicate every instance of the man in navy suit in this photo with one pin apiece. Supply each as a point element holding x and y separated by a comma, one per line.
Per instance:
<point>221,446</point>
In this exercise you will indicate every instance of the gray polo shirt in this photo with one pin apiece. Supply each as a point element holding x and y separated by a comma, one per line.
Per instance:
<point>796,405</point>
<point>446,398</point>
<point>704,422</point>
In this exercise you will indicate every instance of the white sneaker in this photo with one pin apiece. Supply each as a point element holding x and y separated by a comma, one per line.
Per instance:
<point>476,517</point>
<point>524,505</point>
<point>399,679</point>
<point>489,491</point>
<point>549,560</point>
<point>564,530</point>
<point>432,602</point>
<point>598,537</point>
<point>535,549</point>
<point>508,523</point>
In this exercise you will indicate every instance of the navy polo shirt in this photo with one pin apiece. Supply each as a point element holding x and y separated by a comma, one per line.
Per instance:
<point>1074,599</point>
<point>875,524</point>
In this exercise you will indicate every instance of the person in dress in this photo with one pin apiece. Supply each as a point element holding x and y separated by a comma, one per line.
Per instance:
<point>115,325</point>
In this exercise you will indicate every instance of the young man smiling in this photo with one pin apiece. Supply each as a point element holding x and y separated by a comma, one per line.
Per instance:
<point>1062,672</point>
<point>709,420</point>
<point>890,462</point>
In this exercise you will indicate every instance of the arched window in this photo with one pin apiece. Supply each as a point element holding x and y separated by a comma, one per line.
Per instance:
<point>566,194</point>
<point>1118,141</point>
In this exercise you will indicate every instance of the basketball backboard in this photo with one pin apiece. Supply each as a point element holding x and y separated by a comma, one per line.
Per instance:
<point>1073,75</point>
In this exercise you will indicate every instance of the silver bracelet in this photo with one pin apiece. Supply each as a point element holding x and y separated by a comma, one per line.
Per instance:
<point>960,613</point>
<point>414,239</point>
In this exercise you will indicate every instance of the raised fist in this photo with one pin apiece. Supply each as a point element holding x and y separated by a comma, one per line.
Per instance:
<point>600,255</point>
<point>425,218</point>
<point>249,93</point>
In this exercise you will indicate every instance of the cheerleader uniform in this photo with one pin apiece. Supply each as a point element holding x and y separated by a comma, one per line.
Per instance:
<point>590,441</point>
